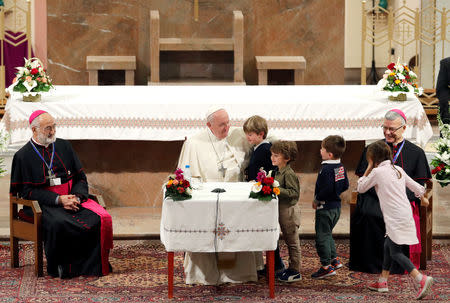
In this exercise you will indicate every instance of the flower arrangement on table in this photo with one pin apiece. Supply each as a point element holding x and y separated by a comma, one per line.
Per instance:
<point>266,188</point>
<point>441,163</point>
<point>399,80</point>
<point>31,79</point>
<point>177,187</point>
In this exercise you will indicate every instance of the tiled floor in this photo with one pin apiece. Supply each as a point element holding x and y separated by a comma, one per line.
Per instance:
<point>139,222</point>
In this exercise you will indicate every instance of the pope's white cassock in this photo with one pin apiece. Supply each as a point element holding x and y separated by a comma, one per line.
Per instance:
<point>217,160</point>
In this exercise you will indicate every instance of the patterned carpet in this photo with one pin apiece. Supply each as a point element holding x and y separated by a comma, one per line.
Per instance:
<point>140,276</point>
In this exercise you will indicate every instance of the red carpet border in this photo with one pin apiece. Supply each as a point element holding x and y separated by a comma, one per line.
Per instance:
<point>140,276</point>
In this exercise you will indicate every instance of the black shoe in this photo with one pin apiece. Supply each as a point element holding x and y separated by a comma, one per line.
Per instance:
<point>63,272</point>
<point>278,270</point>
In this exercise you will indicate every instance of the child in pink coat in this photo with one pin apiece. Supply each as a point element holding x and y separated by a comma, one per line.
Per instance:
<point>390,183</point>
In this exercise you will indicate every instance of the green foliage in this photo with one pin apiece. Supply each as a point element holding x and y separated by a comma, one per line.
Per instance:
<point>262,197</point>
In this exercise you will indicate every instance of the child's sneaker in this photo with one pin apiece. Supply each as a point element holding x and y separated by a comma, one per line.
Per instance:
<point>336,263</point>
<point>322,273</point>
<point>289,275</point>
<point>424,287</point>
<point>378,286</point>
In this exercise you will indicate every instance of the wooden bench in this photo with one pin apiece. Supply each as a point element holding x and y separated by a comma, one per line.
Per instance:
<point>296,63</point>
<point>234,44</point>
<point>96,63</point>
<point>426,223</point>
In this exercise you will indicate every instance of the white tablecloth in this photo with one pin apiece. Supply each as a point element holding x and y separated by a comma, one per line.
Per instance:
<point>242,224</point>
<point>166,113</point>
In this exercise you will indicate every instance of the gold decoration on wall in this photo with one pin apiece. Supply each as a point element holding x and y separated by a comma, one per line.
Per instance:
<point>409,32</point>
<point>18,13</point>
<point>196,10</point>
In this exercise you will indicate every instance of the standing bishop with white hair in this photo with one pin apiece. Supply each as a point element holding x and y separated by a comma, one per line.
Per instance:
<point>217,154</point>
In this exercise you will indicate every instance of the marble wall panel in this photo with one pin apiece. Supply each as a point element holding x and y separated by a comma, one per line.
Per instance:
<point>132,173</point>
<point>313,29</point>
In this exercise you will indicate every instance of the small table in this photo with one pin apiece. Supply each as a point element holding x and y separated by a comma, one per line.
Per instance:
<point>191,225</point>
<point>96,63</point>
<point>264,63</point>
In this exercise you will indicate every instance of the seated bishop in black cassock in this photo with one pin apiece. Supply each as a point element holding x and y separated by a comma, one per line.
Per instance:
<point>367,229</point>
<point>77,232</point>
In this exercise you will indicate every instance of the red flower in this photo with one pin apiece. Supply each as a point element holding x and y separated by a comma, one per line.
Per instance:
<point>186,183</point>
<point>180,190</point>
<point>407,77</point>
<point>438,169</point>
<point>34,71</point>
<point>268,180</point>
<point>267,190</point>
<point>442,165</point>
<point>434,171</point>
<point>391,66</point>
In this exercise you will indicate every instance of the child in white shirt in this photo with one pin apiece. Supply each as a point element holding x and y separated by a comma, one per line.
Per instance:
<point>390,183</point>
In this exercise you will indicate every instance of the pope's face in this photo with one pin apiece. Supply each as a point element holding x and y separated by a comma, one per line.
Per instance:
<point>393,130</point>
<point>220,124</point>
<point>45,133</point>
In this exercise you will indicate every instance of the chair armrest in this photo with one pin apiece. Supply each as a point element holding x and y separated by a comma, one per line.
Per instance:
<point>354,197</point>
<point>429,189</point>
<point>429,195</point>
<point>31,203</point>
<point>98,199</point>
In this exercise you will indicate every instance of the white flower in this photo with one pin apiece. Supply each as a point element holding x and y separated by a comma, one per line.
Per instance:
<point>412,74</point>
<point>447,170</point>
<point>420,91</point>
<point>276,183</point>
<point>188,191</point>
<point>410,88</point>
<point>399,67</point>
<point>256,188</point>
<point>382,83</point>
<point>20,71</point>
<point>444,157</point>
<point>30,85</point>
<point>401,77</point>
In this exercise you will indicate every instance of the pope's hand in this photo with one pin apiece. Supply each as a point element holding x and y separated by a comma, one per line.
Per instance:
<point>69,202</point>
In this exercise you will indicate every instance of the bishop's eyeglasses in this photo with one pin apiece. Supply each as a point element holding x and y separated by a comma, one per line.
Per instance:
<point>391,129</point>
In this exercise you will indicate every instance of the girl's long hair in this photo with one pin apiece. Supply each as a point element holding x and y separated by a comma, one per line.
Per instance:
<point>379,151</point>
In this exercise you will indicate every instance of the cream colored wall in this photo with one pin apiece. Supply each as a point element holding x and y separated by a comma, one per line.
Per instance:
<point>353,21</point>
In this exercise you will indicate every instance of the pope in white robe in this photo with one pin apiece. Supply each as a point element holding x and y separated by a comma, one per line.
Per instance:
<point>218,154</point>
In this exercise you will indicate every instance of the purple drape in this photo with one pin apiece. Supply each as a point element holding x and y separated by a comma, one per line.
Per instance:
<point>13,56</point>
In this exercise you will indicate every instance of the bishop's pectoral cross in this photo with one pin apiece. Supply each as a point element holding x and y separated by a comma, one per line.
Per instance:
<point>222,169</point>
<point>50,175</point>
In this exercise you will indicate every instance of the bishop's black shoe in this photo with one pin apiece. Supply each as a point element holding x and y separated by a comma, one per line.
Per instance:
<point>64,271</point>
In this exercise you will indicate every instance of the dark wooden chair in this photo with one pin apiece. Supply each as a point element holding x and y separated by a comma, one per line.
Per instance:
<point>30,230</point>
<point>426,223</point>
